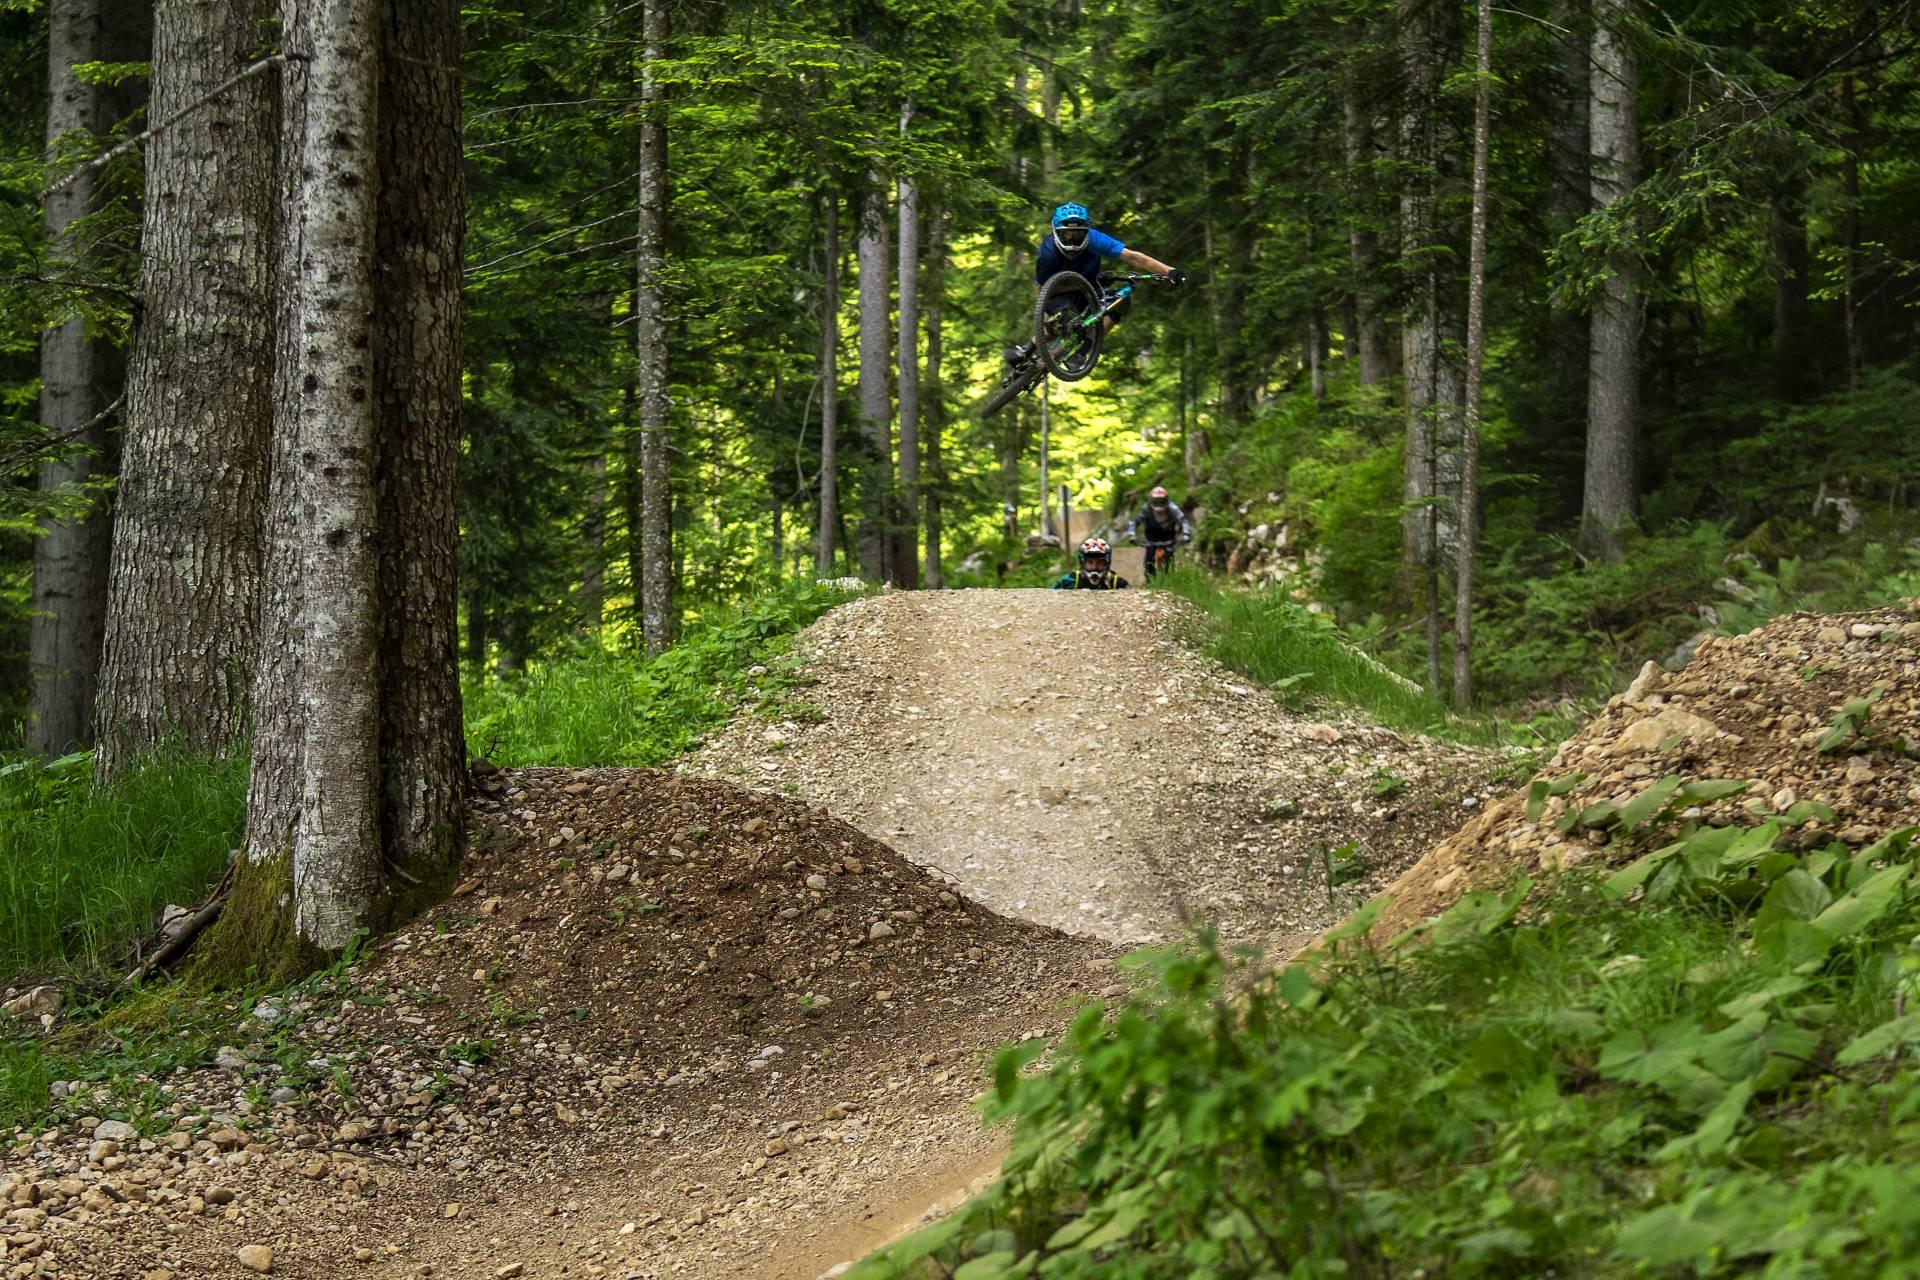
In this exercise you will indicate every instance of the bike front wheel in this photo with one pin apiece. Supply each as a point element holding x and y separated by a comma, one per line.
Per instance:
<point>1066,326</point>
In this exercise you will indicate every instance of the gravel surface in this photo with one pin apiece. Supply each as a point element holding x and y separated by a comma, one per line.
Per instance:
<point>1066,760</point>
<point>1754,708</point>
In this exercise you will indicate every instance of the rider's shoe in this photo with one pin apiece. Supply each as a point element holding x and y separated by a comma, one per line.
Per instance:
<point>1017,354</point>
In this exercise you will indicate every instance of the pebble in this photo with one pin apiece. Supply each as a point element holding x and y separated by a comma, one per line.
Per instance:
<point>257,1258</point>
<point>115,1131</point>
<point>880,929</point>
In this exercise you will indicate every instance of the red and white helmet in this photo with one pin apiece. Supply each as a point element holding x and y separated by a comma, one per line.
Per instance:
<point>1095,547</point>
<point>1158,496</point>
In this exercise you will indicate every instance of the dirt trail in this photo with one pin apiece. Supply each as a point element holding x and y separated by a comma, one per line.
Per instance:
<point>671,1027</point>
<point>1068,761</point>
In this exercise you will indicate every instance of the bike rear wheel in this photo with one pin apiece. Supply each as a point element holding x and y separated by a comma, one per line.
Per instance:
<point>1066,326</point>
<point>1016,382</point>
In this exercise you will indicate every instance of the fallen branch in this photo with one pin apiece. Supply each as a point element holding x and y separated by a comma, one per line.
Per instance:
<point>190,928</point>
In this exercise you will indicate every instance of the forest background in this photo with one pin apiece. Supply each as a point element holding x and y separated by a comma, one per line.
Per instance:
<point>1699,266</point>
<point>1632,308</point>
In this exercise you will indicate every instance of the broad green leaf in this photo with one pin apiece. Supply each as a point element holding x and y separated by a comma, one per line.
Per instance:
<point>902,1253</point>
<point>1754,1001</point>
<point>1647,1055</point>
<point>1666,1236</point>
<point>988,1266</point>
<point>1759,1049</point>
<point>1717,1129</point>
<point>1642,809</point>
<point>1480,912</point>
<point>1749,846</point>
<point>1634,874</point>
<point>1358,923</point>
<point>1122,1224</point>
<point>1882,1039</point>
<point>1864,905</point>
<point>1707,790</point>
<point>1796,896</point>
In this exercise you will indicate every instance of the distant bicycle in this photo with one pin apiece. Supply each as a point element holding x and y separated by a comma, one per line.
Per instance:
<point>1070,320</point>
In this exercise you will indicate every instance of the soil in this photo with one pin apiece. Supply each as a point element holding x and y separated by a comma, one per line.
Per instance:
<point>1755,708</point>
<point>1067,760</point>
<point>671,1026</point>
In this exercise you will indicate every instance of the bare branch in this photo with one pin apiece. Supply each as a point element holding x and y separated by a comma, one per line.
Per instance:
<point>113,153</point>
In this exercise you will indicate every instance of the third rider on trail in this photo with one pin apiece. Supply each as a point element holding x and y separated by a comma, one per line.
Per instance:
<point>1161,525</point>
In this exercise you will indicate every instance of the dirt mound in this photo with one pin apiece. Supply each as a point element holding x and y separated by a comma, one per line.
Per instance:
<point>1770,708</point>
<point>1071,762</point>
<point>664,1025</point>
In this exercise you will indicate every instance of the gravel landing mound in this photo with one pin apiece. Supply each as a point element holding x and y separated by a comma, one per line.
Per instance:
<point>1066,760</point>
<point>666,1027</point>
<point>1752,707</point>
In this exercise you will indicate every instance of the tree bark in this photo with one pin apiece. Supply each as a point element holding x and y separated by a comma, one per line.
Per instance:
<point>1363,249</point>
<point>935,409</point>
<point>1476,360</point>
<point>180,630</point>
<point>906,551</point>
<point>1569,195</point>
<point>1420,335</point>
<point>336,852</point>
<point>1850,233</point>
<point>593,544</point>
<point>656,608</point>
<point>826,537</point>
<point>1792,308</point>
<point>418,345</point>
<point>1610,499</point>
<point>79,379</point>
<point>876,408</point>
<point>254,938</point>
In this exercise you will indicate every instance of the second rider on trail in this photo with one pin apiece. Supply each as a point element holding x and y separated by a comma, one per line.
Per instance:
<point>1161,525</point>
<point>1074,244</point>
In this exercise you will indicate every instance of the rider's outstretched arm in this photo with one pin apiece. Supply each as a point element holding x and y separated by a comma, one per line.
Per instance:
<point>1141,262</point>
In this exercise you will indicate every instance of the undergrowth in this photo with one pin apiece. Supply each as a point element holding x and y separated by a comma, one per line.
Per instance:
<point>84,869</point>
<point>1301,656</point>
<point>595,706</point>
<point>1703,1064</point>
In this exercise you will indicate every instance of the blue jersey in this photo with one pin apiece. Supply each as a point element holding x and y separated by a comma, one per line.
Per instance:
<point>1086,262</point>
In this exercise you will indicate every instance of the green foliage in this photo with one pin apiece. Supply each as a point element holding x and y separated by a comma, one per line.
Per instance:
<point>596,706</point>
<point>1300,655</point>
<point>83,871</point>
<point>1700,1066</point>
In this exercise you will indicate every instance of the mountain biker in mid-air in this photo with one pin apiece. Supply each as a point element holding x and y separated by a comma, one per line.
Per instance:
<point>1095,572</point>
<point>1161,525</point>
<point>1075,245</point>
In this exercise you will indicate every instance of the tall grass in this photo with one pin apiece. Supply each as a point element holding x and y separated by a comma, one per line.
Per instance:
<point>1299,655</point>
<point>83,870</point>
<point>594,706</point>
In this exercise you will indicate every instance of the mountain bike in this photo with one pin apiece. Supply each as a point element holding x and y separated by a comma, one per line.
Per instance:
<point>1159,558</point>
<point>1070,319</point>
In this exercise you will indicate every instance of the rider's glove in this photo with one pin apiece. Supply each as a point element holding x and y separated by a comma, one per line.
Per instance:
<point>1176,276</point>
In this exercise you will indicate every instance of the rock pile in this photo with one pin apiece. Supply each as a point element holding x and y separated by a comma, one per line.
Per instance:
<point>1770,708</point>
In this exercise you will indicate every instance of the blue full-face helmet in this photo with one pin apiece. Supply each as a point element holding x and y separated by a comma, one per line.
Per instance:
<point>1070,227</point>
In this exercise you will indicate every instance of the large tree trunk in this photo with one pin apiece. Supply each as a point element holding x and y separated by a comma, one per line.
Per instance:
<point>1363,250</point>
<point>1792,308</point>
<point>180,629</point>
<point>934,420</point>
<point>826,537</point>
<point>79,381</point>
<point>1850,233</point>
<point>1569,197</point>
<point>418,354</point>
<point>1476,359</point>
<point>254,938</point>
<point>906,536</point>
<point>337,877</point>
<point>1420,334</point>
<point>876,416</point>
<point>593,544</point>
<point>1611,493</point>
<point>656,608</point>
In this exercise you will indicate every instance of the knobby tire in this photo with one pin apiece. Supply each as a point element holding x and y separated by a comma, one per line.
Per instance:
<point>1077,361</point>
